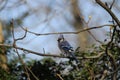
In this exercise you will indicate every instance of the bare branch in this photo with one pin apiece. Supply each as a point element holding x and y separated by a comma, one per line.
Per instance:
<point>49,55</point>
<point>109,11</point>
<point>60,76</point>
<point>112,4</point>
<point>16,49</point>
<point>23,36</point>
<point>104,75</point>
<point>6,1</point>
<point>112,60</point>
<point>77,32</point>
<point>97,56</point>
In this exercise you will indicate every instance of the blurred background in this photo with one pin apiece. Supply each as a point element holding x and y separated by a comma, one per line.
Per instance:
<point>48,16</point>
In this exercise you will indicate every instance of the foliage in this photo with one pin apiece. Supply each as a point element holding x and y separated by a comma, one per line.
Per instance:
<point>101,62</point>
<point>47,69</point>
<point>97,62</point>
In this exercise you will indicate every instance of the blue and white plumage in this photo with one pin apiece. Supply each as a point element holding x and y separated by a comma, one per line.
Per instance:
<point>66,48</point>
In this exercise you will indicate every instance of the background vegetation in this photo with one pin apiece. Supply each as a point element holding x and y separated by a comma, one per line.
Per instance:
<point>96,62</point>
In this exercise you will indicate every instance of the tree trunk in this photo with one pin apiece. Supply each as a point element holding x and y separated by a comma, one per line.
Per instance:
<point>3,57</point>
<point>78,24</point>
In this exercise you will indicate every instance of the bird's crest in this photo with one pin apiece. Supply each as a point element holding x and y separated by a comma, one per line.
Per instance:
<point>60,37</point>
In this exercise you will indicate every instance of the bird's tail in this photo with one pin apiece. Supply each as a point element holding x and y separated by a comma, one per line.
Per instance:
<point>74,57</point>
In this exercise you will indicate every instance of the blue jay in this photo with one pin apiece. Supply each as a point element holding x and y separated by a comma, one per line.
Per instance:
<point>66,48</point>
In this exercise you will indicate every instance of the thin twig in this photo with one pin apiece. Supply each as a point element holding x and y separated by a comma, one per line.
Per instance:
<point>33,74</point>
<point>14,44</point>
<point>90,31</point>
<point>23,36</point>
<point>6,1</point>
<point>49,55</point>
<point>77,32</point>
<point>104,75</point>
<point>59,76</point>
<point>112,60</point>
<point>112,4</point>
<point>16,49</point>
<point>92,57</point>
<point>94,37</point>
<point>109,11</point>
<point>115,71</point>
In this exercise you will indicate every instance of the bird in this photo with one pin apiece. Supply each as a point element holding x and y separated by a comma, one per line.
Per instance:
<point>66,48</point>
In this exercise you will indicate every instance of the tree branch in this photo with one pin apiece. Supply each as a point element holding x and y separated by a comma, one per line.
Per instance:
<point>109,11</point>
<point>112,60</point>
<point>49,55</point>
<point>77,32</point>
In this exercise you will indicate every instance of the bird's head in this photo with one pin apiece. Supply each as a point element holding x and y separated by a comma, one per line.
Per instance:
<point>60,38</point>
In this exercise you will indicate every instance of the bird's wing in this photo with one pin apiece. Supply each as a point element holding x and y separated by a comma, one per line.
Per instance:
<point>66,46</point>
